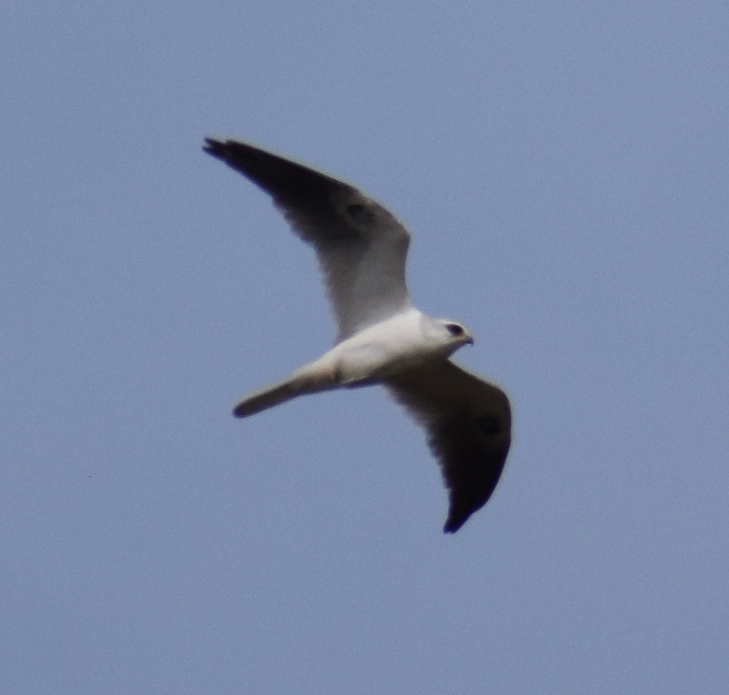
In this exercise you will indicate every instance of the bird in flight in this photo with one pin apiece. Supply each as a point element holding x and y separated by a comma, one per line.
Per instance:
<point>382,338</point>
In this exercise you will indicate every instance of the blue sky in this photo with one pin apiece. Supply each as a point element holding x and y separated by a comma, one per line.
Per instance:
<point>564,169</point>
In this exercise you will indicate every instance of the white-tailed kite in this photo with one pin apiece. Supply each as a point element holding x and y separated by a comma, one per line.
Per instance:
<point>382,337</point>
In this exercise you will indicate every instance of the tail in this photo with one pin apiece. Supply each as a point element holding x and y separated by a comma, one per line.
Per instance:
<point>311,378</point>
<point>267,398</point>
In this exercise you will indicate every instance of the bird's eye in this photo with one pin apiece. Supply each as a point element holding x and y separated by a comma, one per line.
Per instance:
<point>454,329</point>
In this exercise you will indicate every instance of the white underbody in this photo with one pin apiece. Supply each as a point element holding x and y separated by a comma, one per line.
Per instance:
<point>404,342</point>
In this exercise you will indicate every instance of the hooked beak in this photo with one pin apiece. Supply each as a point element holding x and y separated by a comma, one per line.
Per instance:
<point>468,338</point>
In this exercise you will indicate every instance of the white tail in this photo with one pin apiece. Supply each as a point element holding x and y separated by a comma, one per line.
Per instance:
<point>311,378</point>
<point>267,398</point>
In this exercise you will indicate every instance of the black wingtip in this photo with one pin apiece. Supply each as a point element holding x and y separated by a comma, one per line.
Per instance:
<point>452,525</point>
<point>215,147</point>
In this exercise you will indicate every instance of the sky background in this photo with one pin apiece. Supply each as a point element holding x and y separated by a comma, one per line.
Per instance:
<point>564,167</point>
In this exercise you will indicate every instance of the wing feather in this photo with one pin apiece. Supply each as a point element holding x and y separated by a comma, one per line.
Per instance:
<point>361,247</point>
<point>468,422</point>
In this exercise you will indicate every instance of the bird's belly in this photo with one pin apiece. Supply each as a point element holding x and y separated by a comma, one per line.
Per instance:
<point>371,363</point>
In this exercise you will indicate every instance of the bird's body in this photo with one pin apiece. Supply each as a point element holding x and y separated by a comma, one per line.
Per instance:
<point>382,338</point>
<point>402,343</point>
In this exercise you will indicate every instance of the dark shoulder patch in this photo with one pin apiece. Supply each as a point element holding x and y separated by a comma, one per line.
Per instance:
<point>488,424</point>
<point>360,213</point>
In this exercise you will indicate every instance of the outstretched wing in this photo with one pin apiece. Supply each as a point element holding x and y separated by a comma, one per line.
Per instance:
<point>361,247</point>
<point>468,422</point>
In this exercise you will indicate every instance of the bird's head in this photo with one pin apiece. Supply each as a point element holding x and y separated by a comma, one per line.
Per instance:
<point>458,334</point>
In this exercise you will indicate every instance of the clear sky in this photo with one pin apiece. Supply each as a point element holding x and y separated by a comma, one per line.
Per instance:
<point>564,167</point>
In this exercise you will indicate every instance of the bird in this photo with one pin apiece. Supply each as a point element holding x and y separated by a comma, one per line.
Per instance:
<point>381,337</point>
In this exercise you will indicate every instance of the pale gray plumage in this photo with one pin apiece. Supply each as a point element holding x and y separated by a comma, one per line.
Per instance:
<point>382,338</point>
